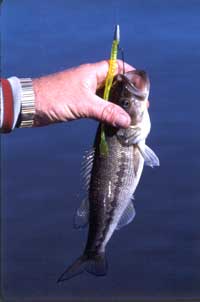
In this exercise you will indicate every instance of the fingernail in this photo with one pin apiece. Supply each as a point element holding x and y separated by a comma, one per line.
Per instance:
<point>122,120</point>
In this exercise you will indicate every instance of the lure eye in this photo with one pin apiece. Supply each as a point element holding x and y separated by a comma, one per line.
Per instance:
<point>125,103</point>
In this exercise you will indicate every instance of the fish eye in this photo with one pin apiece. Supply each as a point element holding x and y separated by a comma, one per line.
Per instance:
<point>125,103</point>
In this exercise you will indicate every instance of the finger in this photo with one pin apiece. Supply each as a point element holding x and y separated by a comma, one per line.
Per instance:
<point>101,69</point>
<point>108,112</point>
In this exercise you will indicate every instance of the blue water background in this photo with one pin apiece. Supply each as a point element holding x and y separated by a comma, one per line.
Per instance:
<point>158,255</point>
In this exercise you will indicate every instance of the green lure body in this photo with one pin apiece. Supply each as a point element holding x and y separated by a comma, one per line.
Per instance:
<point>109,80</point>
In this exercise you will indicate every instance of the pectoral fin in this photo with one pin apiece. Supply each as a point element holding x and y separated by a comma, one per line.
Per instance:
<point>150,158</point>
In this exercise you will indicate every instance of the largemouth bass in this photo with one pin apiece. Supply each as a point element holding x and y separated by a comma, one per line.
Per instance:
<point>112,179</point>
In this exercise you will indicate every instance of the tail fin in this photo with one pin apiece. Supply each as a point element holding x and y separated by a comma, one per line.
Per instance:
<point>95,264</point>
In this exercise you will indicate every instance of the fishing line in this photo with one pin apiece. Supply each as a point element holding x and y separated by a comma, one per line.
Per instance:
<point>122,56</point>
<point>115,9</point>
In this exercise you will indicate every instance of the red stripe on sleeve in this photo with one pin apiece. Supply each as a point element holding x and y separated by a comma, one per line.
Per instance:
<point>8,113</point>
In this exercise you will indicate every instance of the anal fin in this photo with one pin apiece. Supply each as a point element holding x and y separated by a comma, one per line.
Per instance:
<point>127,216</point>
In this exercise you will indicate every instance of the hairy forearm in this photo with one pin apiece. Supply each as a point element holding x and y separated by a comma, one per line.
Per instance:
<point>50,99</point>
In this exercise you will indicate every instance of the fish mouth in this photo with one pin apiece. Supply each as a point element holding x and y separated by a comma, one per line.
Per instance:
<point>137,83</point>
<point>139,79</point>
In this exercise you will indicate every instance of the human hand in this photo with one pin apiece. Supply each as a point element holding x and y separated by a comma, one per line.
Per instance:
<point>71,94</point>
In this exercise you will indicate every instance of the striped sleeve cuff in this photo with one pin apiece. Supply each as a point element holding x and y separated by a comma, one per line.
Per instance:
<point>7,105</point>
<point>17,96</point>
<point>17,100</point>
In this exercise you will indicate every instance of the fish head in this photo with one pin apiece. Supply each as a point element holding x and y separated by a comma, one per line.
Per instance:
<point>130,91</point>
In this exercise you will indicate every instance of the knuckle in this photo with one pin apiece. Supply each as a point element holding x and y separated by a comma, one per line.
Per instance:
<point>109,113</point>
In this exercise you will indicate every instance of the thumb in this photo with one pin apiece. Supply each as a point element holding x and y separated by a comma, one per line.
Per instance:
<point>108,112</point>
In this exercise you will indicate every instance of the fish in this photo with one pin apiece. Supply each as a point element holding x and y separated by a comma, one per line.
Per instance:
<point>111,179</point>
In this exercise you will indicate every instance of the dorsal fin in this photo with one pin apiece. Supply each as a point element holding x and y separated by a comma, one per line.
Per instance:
<point>86,168</point>
<point>81,217</point>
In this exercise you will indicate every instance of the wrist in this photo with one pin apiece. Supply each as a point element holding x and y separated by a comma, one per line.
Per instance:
<point>40,118</point>
<point>50,99</point>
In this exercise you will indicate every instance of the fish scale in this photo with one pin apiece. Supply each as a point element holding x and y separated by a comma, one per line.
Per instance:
<point>119,163</point>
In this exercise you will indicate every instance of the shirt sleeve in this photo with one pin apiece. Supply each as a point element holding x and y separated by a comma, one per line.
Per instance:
<point>17,96</point>
<point>1,108</point>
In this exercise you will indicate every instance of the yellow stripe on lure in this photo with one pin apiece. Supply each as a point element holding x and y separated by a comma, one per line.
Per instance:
<point>108,84</point>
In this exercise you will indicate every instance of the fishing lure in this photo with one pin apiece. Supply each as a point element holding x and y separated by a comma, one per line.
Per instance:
<point>108,84</point>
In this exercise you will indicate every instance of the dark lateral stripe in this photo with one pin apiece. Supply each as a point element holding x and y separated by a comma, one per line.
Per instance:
<point>118,186</point>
